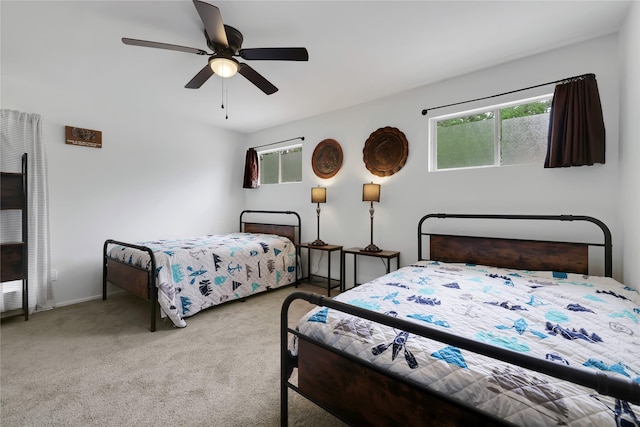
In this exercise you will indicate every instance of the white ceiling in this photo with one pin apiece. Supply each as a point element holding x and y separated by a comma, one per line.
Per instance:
<point>358,50</point>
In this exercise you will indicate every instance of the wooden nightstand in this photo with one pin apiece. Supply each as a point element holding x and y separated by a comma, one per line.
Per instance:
<point>316,280</point>
<point>388,255</point>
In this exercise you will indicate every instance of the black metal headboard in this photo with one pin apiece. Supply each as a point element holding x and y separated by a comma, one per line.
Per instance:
<point>517,253</point>
<point>291,231</point>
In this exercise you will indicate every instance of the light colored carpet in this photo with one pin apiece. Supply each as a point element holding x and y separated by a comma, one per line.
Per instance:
<point>96,363</point>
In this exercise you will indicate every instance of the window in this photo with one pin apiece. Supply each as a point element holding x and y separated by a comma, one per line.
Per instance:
<point>281,165</point>
<point>500,135</point>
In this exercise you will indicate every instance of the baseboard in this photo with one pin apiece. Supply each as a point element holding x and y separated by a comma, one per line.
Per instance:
<point>91,298</point>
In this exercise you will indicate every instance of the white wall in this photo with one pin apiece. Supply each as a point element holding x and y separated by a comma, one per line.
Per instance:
<point>630,147</point>
<point>413,192</point>
<point>160,174</point>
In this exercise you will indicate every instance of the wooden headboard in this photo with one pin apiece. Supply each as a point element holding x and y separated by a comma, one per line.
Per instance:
<point>291,231</point>
<point>570,257</point>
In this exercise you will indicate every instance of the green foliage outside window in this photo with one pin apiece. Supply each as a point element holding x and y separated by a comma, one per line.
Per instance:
<point>473,140</point>
<point>521,110</point>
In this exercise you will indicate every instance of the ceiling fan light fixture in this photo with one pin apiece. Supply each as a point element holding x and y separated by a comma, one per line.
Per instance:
<point>224,67</point>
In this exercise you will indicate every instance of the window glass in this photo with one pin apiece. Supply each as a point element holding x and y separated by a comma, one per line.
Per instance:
<point>466,142</point>
<point>292,165</point>
<point>507,134</point>
<point>269,168</point>
<point>524,139</point>
<point>281,165</point>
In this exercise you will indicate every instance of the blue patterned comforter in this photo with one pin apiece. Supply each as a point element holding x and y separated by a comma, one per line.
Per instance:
<point>582,321</point>
<point>197,273</point>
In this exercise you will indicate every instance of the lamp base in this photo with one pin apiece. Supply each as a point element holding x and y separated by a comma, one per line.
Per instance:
<point>371,248</point>
<point>318,242</point>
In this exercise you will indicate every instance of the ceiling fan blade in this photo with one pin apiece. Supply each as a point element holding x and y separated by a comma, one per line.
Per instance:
<point>212,20</point>
<point>254,77</point>
<point>145,43</point>
<point>275,53</point>
<point>199,79</point>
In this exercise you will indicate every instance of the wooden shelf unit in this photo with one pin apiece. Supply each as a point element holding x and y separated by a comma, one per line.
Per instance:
<point>14,255</point>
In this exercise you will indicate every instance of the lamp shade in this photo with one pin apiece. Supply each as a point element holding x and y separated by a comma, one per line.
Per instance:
<point>318,195</point>
<point>223,67</point>
<point>371,192</point>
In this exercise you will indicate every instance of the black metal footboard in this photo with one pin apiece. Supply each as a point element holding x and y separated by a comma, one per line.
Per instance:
<point>137,280</point>
<point>625,389</point>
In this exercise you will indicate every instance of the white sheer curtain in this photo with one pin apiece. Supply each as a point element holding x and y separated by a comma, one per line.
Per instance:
<point>22,133</point>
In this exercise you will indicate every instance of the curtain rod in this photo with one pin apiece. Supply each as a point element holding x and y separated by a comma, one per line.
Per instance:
<point>273,143</point>
<point>426,110</point>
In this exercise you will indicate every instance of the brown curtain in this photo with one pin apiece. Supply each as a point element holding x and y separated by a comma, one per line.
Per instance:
<point>576,127</point>
<point>251,169</point>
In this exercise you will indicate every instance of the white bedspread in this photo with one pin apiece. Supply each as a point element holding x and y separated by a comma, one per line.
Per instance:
<point>582,321</point>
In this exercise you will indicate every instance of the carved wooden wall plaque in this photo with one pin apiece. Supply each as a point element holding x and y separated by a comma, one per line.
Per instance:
<point>83,137</point>
<point>327,158</point>
<point>386,151</point>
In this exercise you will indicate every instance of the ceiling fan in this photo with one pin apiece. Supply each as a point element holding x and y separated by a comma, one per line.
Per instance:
<point>226,42</point>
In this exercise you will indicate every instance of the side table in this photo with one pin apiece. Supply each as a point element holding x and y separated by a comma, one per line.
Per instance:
<point>388,255</point>
<point>331,283</point>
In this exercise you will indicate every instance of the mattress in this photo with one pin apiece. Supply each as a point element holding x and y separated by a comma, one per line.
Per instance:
<point>581,321</point>
<point>200,272</point>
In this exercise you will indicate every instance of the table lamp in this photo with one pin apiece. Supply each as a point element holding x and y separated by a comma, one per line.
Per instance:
<point>371,193</point>
<point>318,195</point>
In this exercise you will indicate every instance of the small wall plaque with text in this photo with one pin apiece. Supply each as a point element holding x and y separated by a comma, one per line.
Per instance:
<point>83,137</point>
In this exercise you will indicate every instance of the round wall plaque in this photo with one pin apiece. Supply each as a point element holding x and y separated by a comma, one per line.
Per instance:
<point>386,151</point>
<point>327,158</point>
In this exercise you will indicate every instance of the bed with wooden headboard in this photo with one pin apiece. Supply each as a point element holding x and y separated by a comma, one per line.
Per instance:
<point>486,331</point>
<point>185,276</point>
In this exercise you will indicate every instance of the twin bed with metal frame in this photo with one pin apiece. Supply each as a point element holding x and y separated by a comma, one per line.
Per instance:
<point>489,331</point>
<point>185,276</point>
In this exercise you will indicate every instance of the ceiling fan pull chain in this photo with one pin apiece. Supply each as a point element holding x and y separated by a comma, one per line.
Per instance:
<point>226,93</point>
<point>222,93</point>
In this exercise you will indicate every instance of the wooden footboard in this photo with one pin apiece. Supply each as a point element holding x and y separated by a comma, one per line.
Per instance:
<point>130,278</point>
<point>360,395</point>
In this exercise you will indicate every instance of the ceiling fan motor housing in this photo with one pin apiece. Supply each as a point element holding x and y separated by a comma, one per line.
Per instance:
<point>234,38</point>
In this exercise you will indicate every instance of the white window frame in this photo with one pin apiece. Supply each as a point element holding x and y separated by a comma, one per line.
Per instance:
<point>288,147</point>
<point>433,131</point>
